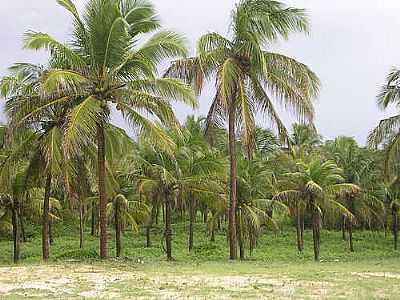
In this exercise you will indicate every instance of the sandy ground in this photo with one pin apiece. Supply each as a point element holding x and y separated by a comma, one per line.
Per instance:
<point>98,282</point>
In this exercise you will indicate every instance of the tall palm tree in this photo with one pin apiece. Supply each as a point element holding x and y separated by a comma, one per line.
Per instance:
<point>104,67</point>
<point>247,75</point>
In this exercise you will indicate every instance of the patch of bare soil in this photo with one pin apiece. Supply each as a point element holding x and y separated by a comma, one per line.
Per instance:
<point>389,275</point>
<point>90,282</point>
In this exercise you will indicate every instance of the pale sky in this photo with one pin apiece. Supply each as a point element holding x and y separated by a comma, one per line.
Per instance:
<point>352,46</point>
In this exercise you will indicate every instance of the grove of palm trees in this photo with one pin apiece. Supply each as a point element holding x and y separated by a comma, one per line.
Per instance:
<point>238,203</point>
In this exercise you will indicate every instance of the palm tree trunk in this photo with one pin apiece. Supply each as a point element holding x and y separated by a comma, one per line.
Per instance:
<point>21,224</point>
<point>302,229</point>
<point>51,239</point>
<point>93,219</point>
<point>232,190</point>
<point>298,228</point>
<point>168,229</point>
<point>16,231</point>
<point>191,221</point>
<point>150,225</point>
<point>395,224</point>
<point>350,221</point>
<point>343,227</point>
<point>101,176</point>
<point>205,215</point>
<point>240,237</point>
<point>316,217</point>
<point>117,229</point>
<point>351,236</point>
<point>81,225</point>
<point>45,219</point>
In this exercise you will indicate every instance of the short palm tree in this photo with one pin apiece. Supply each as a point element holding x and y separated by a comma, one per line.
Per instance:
<point>45,143</point>
<point>247,76</point>
<point>317,183</point>
<point>387,133</point>
<point>104,68</point>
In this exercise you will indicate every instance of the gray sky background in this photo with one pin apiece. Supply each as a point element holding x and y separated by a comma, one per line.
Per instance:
<point>352,46</point>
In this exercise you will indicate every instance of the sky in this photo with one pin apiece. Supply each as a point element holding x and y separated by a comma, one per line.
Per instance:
<point>352,46</point>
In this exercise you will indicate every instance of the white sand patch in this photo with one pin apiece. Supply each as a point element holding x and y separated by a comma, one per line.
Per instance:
<point>378,274</point>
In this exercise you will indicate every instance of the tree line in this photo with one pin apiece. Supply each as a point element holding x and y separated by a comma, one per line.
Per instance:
<point>59,148</point>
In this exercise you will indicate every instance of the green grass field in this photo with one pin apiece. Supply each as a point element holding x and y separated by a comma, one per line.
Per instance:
<point>275,270</point>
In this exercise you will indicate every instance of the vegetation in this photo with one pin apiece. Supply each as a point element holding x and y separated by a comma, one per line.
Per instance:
<point>186,189</point>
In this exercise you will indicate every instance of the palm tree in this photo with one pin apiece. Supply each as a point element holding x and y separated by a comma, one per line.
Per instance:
<point>387,133</point>
<point>104,67</point>
<point>392,197</point>
<point>198,160</point>
<point>246,75</point>
<point>46,148</point>
<point>317,183</point>
<point>186,171</point>
<point>359,167</point>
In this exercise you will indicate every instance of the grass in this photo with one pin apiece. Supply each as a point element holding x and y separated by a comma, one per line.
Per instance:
<point>275,269</point>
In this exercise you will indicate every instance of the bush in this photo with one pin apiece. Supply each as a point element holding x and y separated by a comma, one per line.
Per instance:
<point>79,254</point>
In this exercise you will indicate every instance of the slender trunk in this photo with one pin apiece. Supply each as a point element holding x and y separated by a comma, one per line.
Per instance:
<point>351,221</point>
<point>117,229</point>
<point>302,229</point>
<point>232,190</point>
<point>157,214</point>
<point>343,227</point>
<point>252,241</point>
<point>395,225</point>
<point>316,217</point>
<point>163,216</point>
<point>81,225</point>
<point>21,224</point>
<point>239,237</point>
<point>168,229</point>
<point>93,219</point>
<point>150,225</point>
<point>45,219</point>
<point>351,236</point>
<point>16,231</point>
<point>51,239</point>
<point>101,156</point>
<point>191,221</point>
<point>212,238</point>
<point>205,215</point>
<point>298,228</point>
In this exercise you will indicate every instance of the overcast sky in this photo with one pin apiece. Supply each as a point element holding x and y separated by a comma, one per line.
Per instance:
<point>352,46</point>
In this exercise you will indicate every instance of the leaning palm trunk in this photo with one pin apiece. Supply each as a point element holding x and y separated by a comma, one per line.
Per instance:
<point>102,189</point>
<point>16,231</point>
<point>168,229</point>
<point>316,220</point>
<point>232,191</point>
<point>395,224</point>
<point>45,219</point>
